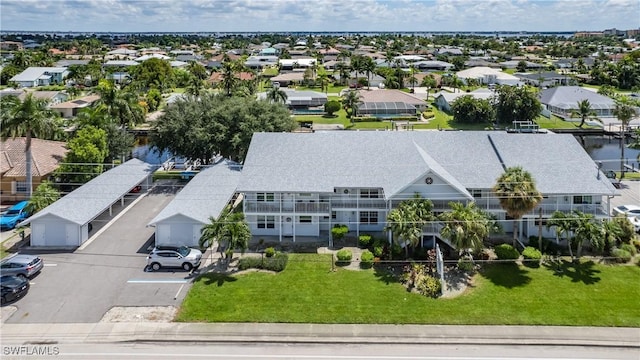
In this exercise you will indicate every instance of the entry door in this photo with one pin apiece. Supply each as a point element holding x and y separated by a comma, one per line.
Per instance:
<point>287,225</point>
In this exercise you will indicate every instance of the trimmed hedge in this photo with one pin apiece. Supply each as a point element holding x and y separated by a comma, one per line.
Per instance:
<point>269,252</point>
<point>506,252</point>
<point>344,255</point>
<point>366,259</point>
<point>531,253</point>
<point>364,241</point>
<point>276,263</point>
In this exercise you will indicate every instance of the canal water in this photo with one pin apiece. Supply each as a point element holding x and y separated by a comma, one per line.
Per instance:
<point>607,150</point>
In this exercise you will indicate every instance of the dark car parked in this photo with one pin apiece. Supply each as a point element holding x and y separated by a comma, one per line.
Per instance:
<point>13,287</point>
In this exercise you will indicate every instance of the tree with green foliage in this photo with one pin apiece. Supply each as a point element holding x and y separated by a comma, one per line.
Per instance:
<point>564,224</point>
<point>201,128</point>
<point>153,98</point>
<point>469,110</point>
<point>331,107</point>
<point>87,151</point>
<point>276,95</point>
<point>210,233</point>
<point>44,196</point>
<point>369,67</point>
<point>466,227</point>
<point>514,103</point>
<point>517,193</point>
<point>120,104</point>
<point>407,220</point>
<point>430,83</point>
<point>587,230</point>
<point>230,231</point>
<point>624,111</point>
<point>351,101</point>
<point>585,112</point>
<point>228,71</point>
<point>152,74</point>
<point>30,117</point>
<point>521,66</point>
<point>7,73</point>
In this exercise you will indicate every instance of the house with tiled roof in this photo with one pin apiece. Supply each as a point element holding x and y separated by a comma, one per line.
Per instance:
<point>217,77</point>
<point>46,157</point>
<point>69,109</point>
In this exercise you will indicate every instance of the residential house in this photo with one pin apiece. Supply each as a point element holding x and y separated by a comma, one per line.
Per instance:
<point>205,196</point>
<point>374,80</point>
<point>46,157</point>
<point>302,184</point>
<point>52,97</point>
<point>444,99</point>
<point>302,101</point>
<point>433,65</point>
<point>288,78</point>
<point>545,79</point>
<point>512,64</point>
<point>486,75</point>
<point>385,103</point>
<point>261,61</point>
<point>216,77</point>
<point>71,108</point>
<point>290,64</point>
<point>562,101</point>
<point>41,76</point>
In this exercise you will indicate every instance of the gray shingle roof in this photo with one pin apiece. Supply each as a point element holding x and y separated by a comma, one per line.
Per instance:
<point>205,195</point>
<point>321,161</point>
<point>91,199</point>
<point>567,97</point>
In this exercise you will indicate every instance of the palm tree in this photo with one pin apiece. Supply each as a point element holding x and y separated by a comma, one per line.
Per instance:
<point>357,63</point>
<point>466,227</point>
<point>624,111</point>
<point>429,82</point>
<point>276,95</point>
<point>412,77</point>
<point>517,193</point>
<point>229,80</point>
<point>368,66</point>
<point>584,112</point>
<point>211,232</point>
<point>351,101</point>
<point>120,104</point>
<point>343,70</point>
<point>408,219</point>
<point>564,224</point>
<point>30,118</point>
<point>235,233</point>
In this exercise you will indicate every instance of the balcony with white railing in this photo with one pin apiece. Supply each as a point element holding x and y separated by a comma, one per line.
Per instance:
<point>302,207</point>
<point>357,203</point>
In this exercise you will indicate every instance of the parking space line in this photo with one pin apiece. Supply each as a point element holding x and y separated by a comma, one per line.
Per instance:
<point>158,281</point>
<point>47,264</point>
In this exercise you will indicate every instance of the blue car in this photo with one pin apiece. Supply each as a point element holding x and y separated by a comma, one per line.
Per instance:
<point>14,215</point>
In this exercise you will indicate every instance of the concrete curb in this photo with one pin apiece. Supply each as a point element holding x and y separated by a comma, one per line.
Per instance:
<point>320,333</point>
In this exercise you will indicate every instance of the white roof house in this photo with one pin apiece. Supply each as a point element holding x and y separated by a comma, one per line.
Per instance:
<point>298,98</point>
<point>66,221</point>
<point>562,100</point>
<point>40,76</point>
<point>299,62</point>
<point>152,56</point>
<point>123,52</point>
<point>487,75</point>
<point>205,196</point>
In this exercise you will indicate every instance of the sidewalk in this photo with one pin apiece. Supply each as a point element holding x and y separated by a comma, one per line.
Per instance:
<point>318,333</point>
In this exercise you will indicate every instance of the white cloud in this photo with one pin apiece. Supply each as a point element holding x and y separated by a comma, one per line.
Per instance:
<point>318,15</point>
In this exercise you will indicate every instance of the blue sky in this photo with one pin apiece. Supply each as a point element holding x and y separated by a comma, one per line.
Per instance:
<point>318,15</point>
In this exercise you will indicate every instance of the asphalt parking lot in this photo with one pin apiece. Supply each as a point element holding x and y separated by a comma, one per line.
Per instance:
<point>81,286</point>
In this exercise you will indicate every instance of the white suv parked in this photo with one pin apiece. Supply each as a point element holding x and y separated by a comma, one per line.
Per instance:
<point>174,257</point>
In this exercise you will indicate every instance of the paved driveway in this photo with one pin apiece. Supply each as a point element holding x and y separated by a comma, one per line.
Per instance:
<point>80,287</point>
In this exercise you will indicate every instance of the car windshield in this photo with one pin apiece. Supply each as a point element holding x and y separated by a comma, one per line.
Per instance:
<point>12,212</point>
<point>10,280</point>
<point>184,251</point>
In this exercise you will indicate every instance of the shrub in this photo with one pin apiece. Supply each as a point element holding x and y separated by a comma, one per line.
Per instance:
<point>276,263</point>
<point>378,250</point>
<point>465,264</point>
<point>549,247</point>
<point>429,286</point>
<point>506,252</point>
<point>366,259</point>
<point>396,251</point>
<point>629,248</point>
<point>531,253</point>
<point>344,255</point>
<point>269,252</point>
<point>331,107</point>
<point>621,256</point>
<point>636,243</point>
<point>339,231</point>
<point>364,240</point>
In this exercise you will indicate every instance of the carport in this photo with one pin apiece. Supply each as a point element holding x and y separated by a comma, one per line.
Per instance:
<point>206,195</point>
<point>65,223</point>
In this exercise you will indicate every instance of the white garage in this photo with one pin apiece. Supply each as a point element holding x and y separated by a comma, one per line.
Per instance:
<point>65,223</point>
<point>206,195</point>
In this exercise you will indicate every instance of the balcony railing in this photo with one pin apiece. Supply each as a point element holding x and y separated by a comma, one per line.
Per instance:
<point>274,207</point>
<point>358,204</point>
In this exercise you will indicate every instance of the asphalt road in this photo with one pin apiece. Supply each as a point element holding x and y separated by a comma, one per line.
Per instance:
<point>81,286</point>
<point>247,351</point>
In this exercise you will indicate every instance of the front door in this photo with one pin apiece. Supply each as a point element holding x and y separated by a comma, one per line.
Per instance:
<point>287,225</point>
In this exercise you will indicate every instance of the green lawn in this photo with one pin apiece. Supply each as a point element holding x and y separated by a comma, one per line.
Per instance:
<point>309,292</point>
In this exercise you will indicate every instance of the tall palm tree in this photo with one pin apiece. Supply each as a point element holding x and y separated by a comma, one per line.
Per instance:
<point>585,112</point>
<point>276,95</point>
<point>624,111</point>
<point>343,70</point>
<point>564,224</point>
<point>429,82</point>
<point>351,101</point>
<point>516,190</point>
<point>229,80</point>
<point>120,104</point>
<point>408,219</point>
<point>235,233</point>
<point>357,63</point>
<point>29,118</point>
<point>368,66</point>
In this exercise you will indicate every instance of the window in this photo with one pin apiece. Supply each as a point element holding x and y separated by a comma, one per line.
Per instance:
<point>21,187</point>
<point>368,217</point>
<point>266,222</point>
<point>582,199</point>
<point>369,193</point>
<point>262,197</point>
<point>334,215</point>
<point>305,220</point>
<point>476,193</point>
